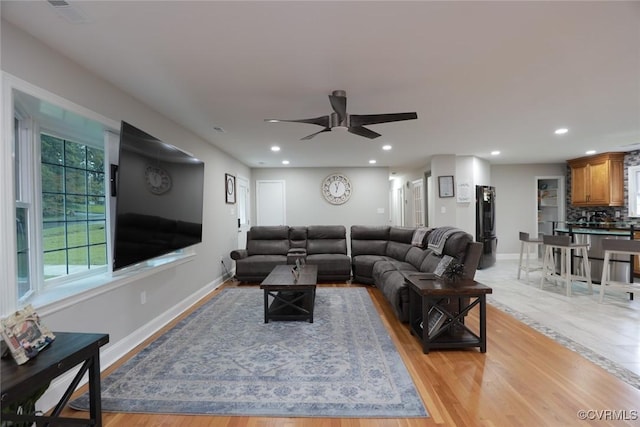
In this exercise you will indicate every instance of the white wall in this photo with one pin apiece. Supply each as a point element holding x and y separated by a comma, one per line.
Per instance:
<point>516,208</point>
<point>368,205</point>
<point>119,312</point>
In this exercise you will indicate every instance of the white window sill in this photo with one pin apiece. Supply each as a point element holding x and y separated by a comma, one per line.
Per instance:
<point>63,296</point>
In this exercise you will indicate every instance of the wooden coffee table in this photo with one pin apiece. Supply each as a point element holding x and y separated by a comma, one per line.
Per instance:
<point>428,296</point>
<point>291,299</point>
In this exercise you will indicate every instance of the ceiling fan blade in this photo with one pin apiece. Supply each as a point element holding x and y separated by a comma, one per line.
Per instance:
<point>339,104</point>
<point>362,131</point>
<point>320,121</point>
<point>308,137</point>
<point>372,119</point>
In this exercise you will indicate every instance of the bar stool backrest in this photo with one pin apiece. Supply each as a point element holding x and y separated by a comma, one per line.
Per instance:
<point>556,240</point>
<point>524,236</point>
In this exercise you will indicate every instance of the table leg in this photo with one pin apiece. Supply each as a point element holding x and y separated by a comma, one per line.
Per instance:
<point>483,323</point>
<point>266,306</point>
<point>95,401</point>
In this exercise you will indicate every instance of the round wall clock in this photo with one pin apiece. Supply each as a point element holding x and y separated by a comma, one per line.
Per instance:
<point>336,189</point>
<point>158,180</point>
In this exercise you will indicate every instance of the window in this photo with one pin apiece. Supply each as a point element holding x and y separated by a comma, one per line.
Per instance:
<point>73,207</point>
<point>634,191</point>
<point>61,203</point>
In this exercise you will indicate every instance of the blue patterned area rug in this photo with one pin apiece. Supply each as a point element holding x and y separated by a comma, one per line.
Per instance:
<point>224,360</point>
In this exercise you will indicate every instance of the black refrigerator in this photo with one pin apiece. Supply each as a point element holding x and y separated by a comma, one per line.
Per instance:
<point>486,224</point>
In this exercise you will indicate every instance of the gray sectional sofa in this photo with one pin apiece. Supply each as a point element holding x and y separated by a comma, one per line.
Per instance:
<point>380,255</point>
<point>384,256</point>
<point>268,246</point>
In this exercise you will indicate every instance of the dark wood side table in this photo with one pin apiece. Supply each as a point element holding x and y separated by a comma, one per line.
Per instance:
<point>67,351</point>
<point>429,294</point>
<point>292,299</point>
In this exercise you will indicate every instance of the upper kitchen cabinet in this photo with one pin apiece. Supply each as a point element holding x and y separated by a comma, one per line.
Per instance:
<point>597,180</point>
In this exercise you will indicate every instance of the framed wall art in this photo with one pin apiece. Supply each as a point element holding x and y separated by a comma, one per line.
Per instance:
<point>229,188</point>
<point>445,186</point>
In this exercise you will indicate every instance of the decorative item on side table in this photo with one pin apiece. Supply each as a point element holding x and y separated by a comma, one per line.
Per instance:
<point>454,271</point>
<point>230,188</point>
<point>24,335</point>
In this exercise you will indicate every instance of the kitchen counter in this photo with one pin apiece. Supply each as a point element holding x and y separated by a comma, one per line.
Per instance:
<point>593,234</point>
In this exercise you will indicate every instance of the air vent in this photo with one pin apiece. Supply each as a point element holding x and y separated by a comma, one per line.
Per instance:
<point>71,13</point>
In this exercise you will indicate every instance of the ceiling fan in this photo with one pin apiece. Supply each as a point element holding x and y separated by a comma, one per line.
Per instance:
<point>353,123</point>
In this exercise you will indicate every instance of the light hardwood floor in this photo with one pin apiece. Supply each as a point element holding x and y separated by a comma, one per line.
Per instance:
<point>524,379</point>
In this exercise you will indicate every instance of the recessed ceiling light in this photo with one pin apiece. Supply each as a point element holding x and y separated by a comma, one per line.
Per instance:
<point>589,152</point>
<point>275,148</point>
<point>372,162</point>
<point>285,162</point>
<point>561,131</point>
<point>386,147</point>
<point>495,153</point>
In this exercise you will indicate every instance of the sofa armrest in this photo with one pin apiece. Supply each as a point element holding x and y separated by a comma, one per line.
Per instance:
<point>239,254</point>
<point>472,259</point>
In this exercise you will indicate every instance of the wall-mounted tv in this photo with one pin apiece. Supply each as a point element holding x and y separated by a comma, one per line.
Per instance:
<point>159,197</point>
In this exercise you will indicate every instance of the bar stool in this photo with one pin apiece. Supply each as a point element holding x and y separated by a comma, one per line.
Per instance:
<point>525,244</point>
<point>619,247</point>
<point>564,244</point>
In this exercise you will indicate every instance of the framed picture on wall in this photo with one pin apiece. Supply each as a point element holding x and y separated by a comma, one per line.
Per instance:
<point>230,188</point>
<point>445,186</point>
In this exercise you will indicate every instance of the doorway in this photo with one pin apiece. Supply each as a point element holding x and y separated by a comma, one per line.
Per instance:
<point>244,210</point>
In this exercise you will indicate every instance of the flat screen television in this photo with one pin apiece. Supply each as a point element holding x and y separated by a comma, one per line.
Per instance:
<point>159,198</point>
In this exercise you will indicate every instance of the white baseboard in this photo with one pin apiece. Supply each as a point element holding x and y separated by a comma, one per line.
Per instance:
<point>119,349</point>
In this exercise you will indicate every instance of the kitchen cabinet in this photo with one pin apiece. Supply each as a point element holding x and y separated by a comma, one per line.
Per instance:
<point>597,180</point>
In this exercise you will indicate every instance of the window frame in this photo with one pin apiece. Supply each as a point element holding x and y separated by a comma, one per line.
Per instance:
<point>27,193</point>
<point>74,291</point>
<point>633,173</point>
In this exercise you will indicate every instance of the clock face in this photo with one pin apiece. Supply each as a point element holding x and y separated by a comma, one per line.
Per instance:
<point>336,189</point>
<point>157,179</point>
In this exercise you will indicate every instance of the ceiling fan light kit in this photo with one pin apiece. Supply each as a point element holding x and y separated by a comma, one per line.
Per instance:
<point>353,123</point>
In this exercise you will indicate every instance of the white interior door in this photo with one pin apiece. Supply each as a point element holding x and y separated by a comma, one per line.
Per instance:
<point>397,206</point>
<point>244,210</point>
<point>270,202</point>
<point>418,203</point>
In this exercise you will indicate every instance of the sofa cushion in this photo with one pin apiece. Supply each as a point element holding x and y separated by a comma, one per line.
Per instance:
<point>269,232</point>
<point>401,234</point>
<point>331,266</point>
<point>326,239</point>
<point>298,237</point>
<point>415,256</point>
<point>382,267</point>
<point>363,264</point>
<point>369,240</point>
<point>267,247</point>
<point>397,250</point>
<point>259,265</point>
<point>396,291</point>
<point>268,240</point>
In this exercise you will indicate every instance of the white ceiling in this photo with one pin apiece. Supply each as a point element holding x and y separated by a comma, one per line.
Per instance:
<point>482,76</point>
